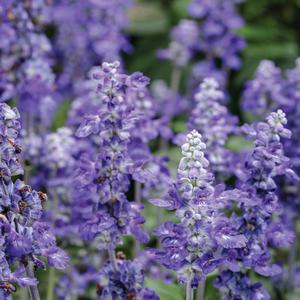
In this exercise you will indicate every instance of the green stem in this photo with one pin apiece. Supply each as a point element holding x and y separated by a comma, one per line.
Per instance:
<point>112,258</point>
<point>51,284</point>
<point>27,170</point>
<point>291,266</point>
<point>201,289</point>
<point>137,192</point>
<point>174,86</point>
<point>138,200</point>
<point>189,291</point>
<point>51,275</point>
<point>33,290</point>
<point>23,294</point>
<point>175,80</point>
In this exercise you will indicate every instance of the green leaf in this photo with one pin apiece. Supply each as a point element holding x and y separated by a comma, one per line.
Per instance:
<point>180,8</point>
<point>263,33</point>
<point>147,18</point>
<point>174,154</point>
<point>179,126</point>
<point>273,50</point>
<point>165,291</point>
<point>238,143</point>
<point>61,115</point>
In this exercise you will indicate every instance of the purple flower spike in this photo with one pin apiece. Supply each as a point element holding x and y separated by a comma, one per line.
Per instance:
<point>24,238</point>
<point>117,131</point>
<point>258,206</point>
<point>212,120</point>
<point>194,246</point>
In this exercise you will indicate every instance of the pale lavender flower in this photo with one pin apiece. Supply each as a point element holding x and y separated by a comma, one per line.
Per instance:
<point>184,43</point>
<point>265,92</point>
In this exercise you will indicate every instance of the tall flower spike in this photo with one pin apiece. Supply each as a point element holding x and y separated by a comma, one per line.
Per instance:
<point>219,22</point>
<point>56,162</point>
<point>212,119</point>
<point>219,42</point>
<point>25,61</point>
<point>265,92</point>
<point>270,90</point>
<point>259,208</point>
<point>24,238</point>
<point>193,246</point>
<point>182,47</point>
<point>183,44</point>
<point>104,214</point>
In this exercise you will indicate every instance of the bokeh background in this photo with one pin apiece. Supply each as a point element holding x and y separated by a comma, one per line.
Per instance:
<point>271,30</point>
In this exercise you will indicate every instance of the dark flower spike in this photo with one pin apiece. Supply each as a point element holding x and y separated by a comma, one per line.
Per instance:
<point>24,238</point>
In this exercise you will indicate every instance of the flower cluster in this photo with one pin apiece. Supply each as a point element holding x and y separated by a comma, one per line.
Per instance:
<point>107,215</point>
<point>212,120</point>
<point>109,173</point>
<point>271,88</point>
<point>193,246</point>
<point>24,238</point>
<point>25,61</point>
<point>184,43</point>
<point>218,22</point>
<point>205,237</point>
<point>125,282</point>
<point>89,32</point>
<point>259,209</point>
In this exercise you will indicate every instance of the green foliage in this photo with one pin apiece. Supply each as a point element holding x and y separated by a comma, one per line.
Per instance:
<point>61,115</point>
<point>147,18</point>
<point>238,143</point>
<point>271,32</point>
<point>166,291</point>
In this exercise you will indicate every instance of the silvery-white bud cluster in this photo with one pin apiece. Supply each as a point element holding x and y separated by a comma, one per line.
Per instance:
<point>192,172</point>
<point>209,89</point>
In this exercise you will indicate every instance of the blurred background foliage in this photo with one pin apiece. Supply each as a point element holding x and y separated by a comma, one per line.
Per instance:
<point>271,31</point>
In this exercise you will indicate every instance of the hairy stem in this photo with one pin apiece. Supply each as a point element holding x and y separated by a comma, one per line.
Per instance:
<point>51,284</point>
<point>137,192</point>
<point>138,200</point>
<point>189,291</point>
<point>51,276</point>
<point>33,290</point>
<point>201,289</point>
<point>175,79</point>
<point>112,258</point>
<point>291,265</point>
<point>23,294</point>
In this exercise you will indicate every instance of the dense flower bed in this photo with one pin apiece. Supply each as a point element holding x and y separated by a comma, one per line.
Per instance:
<point>92,203</point>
